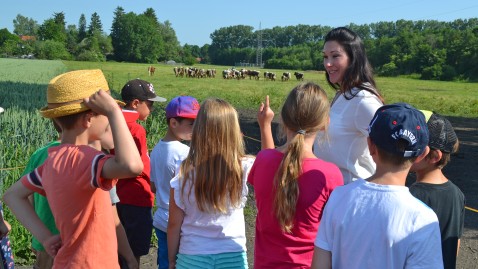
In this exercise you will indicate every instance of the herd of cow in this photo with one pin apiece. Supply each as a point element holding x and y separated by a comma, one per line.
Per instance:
<point>193,72</point>
<point>232,73</point>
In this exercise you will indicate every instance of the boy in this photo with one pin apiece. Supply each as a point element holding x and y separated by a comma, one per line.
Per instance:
<point>40,204</point>
<point>75,176</point>
<point>377,223</point>
<point>136,198</point>
<point>435,190</point>
<point>166,157</point>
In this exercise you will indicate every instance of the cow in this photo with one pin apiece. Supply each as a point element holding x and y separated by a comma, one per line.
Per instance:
<point>253,74</point>
<point>299,76</point>
<point>285,76</point>
<point>151,70</point>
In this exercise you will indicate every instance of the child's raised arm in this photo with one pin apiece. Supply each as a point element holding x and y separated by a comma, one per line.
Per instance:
<point>16,198</point>
<point>127,161</point>
<point>264,118</point>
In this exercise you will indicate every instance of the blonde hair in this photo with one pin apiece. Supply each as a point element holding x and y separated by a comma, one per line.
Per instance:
<point>305,111</point>
<point>213,165</point>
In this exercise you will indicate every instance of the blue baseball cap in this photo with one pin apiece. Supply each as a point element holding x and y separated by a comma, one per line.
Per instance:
<point>399,121</point>
<point>183,107</point>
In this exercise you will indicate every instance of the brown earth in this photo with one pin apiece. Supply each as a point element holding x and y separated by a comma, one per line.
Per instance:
<point>462,170</point>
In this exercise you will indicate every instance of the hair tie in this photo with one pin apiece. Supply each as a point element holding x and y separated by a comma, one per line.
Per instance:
<point>302,132</point>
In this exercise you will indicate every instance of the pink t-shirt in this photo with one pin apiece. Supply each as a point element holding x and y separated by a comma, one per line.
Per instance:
<point>71,179</point>
<point>274,248</point>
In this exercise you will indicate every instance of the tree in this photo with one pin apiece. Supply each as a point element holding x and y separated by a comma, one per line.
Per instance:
<point>24,26</point>
<point>9,43</point>
<point>81,28</point>
<point>53,29</point>
<point>95,27</point>
<point>170,50</point>
<point>135,38</point>
<point>71,38</point>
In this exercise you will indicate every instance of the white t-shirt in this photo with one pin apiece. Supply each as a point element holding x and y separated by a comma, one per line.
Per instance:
<point>207,233</point>
<point>345,143</point>
<point>166,158</point>
<point>368,225</point>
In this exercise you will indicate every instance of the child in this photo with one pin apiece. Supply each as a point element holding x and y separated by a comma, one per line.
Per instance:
<point>377,223</point>
<point>81,208</point>
<point>166,157</point>
<point>291,185</point>
<point>435,190</point>
<point>40,204</point>
<point>206,221</point>
<point>136,198</point>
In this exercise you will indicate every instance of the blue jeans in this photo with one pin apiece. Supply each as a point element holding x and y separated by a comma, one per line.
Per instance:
<point>162,261</point>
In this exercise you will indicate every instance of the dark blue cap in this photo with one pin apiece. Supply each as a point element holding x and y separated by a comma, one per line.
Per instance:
<point>399,121</point>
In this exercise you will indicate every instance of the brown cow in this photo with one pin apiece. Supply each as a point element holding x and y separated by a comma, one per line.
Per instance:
<point>151,70</point>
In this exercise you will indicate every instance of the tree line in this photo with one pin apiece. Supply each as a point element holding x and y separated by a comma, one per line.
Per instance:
<point>427,49</point>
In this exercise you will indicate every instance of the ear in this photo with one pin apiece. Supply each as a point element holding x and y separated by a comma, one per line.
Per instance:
<point>173,123</point>
<point>87,119</point>
<point>135,103</point>
<point>435,155</point>
<point>371,147</point>
<point>423,155</point>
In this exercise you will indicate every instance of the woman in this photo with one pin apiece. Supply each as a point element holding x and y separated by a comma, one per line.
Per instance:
<point>350,73</point>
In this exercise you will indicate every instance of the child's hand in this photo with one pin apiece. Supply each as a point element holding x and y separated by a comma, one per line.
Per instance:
<point>52,245</point>
<point>4,228</point>
<point>101,102</point>
<point>265,113</point>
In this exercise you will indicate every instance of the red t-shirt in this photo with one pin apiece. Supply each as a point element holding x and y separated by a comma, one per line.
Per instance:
<point>274,248</point>
<point>137,190</point>
<point>80,202</point>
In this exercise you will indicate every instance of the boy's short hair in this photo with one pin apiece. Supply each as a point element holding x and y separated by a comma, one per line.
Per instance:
<point>141,90</point>
<point>399,129</point>
<point>65,93</point>
<point>442,136</point>
<point>182,107</point>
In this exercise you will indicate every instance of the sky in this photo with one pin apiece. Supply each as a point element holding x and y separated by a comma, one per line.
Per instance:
<point>195,20</point>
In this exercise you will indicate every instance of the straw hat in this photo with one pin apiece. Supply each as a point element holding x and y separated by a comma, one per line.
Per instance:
<point>65,92</point>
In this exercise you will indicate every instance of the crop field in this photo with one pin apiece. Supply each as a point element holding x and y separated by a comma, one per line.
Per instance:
<point>23,85</point>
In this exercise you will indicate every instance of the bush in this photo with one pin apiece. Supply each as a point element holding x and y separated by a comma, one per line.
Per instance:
<point>51,50</point>
<point>432,72</point>
<point>91,56</point>
<point>449,73</point>
<point>388,69</point>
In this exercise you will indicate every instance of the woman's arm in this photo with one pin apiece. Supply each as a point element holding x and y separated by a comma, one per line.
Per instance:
<point>176,217</point>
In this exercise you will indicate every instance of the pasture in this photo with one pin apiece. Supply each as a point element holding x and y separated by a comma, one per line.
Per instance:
<point>23,84</point>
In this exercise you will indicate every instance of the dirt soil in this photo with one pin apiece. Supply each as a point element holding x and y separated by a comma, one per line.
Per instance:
<point>462,170</point>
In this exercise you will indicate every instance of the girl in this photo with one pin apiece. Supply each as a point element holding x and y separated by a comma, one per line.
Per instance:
<point>289,215</point>
<point>206,227</point>
<point>350,73</point>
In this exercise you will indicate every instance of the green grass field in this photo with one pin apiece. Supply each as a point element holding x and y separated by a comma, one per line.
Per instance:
<point>23,84</point>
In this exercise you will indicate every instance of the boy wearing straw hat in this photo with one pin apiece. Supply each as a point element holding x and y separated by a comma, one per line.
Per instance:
<point>136,197</point>
<point>75,176</point>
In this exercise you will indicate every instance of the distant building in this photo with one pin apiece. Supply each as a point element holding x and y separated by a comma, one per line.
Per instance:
<point>27,38</point>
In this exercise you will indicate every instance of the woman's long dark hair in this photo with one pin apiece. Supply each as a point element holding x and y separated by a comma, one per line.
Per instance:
<point>360,72</point>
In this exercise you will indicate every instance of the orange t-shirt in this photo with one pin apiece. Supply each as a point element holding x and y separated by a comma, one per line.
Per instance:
<point>71,180</point>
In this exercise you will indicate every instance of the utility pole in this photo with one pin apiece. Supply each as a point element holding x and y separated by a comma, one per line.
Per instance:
<point>259,47</point>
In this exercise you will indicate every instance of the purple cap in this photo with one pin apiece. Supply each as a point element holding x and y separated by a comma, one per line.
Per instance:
<point>183,107</point>
<point>399,121</point>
